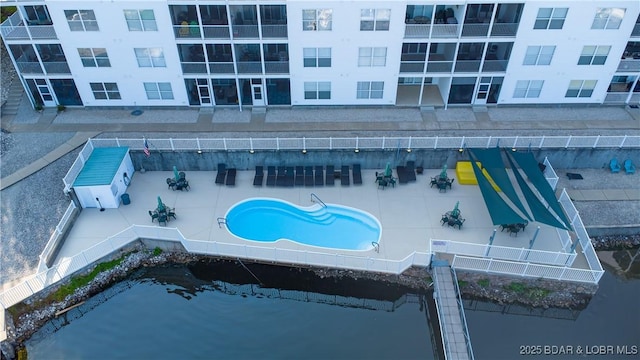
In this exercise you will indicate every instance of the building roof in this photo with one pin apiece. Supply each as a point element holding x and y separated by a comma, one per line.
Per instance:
<point>101,166</point>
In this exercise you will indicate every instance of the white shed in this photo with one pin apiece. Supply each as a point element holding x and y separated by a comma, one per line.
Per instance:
<point>105,176</point>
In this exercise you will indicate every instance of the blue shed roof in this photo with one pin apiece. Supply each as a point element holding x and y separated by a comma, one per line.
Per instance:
<point>101,166</point>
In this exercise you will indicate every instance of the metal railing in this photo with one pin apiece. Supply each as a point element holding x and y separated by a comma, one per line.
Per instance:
<point>629,65</point>
<point>467,338</point>
<point>417,30</point>
<point>245,31</point>
<point>501,252</point>
<point>216,31</point>
<point>274,31</point>
<point>504,29</point>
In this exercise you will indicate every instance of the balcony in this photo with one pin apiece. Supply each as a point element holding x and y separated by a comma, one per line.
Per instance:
<point>627,65</point>
<point>221,68</point>
<point>417,31</point>
<point>245,31</point>
<point>216,31</point>
<point>467,66</point>
<point>274,31</point>
<point>276,67</point>
<point>194,68</point>
<point>495,65</point>
<point>475,30</point>
<point>636,31</point>
<point>412,67</point>
<point>14,29</point>
<point>56,67</point>
<point>439,66</point>
<point>445,31</point>
<point>504,29</point>
<point>29,67</point>
<point>186,31</point>
<point>616,98</point>
<point>249,67</point>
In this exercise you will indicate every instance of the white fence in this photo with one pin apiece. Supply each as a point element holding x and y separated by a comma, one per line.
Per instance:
<point>525,269</point>
<point>501,252</point>
<point>375,143</point>
<point>56,237</point>
<point>77,165</point>
<point>68,266</point>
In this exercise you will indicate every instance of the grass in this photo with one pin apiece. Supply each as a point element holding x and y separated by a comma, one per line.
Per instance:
<point>484,283</point>
<point>533,293</point>
<point>157,251</point>
<point>462,283</point>
<point>516,287</point>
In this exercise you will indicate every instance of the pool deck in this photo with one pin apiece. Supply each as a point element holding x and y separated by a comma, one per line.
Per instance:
<point>409,213</point>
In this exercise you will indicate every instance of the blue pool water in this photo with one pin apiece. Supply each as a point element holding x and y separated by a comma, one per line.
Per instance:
<point>333,226</point>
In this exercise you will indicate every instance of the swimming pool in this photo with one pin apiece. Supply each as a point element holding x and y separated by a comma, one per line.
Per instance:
<point>333,226</point>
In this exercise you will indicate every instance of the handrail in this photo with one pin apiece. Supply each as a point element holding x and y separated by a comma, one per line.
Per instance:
<point>317,198</point>
<point>467,338</point>
<point>376,246</point>
<point>221,221</point>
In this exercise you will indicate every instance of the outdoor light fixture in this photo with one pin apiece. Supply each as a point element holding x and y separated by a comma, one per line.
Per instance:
<point>304,151</point>
<point>199,152</point>
<point>514,149</point>
<point>251,151</point>
<point>356,150</point>
<point>408,150</point>
<point>461,150</point>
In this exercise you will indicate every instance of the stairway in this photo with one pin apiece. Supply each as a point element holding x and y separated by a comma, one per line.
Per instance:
<point>16,92</point>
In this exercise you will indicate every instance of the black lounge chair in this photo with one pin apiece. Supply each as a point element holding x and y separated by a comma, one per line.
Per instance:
<point>329,178</point>
<point>222,174</point>
<point>259,177</point>
<point>299,181</point>
<point>231,177</point>
<point>344,175</point>
<point>281,177</point>
<point>411,170</point>
<point>319,176</point>
<point>289,176</point>
<point>403,178</point>
<point>308,176</point>
<point>271,176</point>
<point>357,174</point>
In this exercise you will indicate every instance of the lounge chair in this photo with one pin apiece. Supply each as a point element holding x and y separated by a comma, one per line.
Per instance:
<point>614,165</point>
<point>231,177</point>
<point>259,177</point>
<point>403,178</point>
<point>344,175</point>
<point>329,178</point>
<point>299,181</point>
<point>222,174</point>
<point>308,176</point>
<point>357,174</point>
<point>281,178</point>
<point>411,170</point>
<point>271,176</point>
<point>289,176</point>
<point>319,176</point>
<point>629,168</point>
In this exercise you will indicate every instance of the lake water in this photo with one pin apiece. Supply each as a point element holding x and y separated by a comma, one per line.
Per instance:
<point>216,310</point>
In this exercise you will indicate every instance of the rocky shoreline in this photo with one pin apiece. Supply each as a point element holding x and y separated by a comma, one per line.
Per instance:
<point>34,312</point>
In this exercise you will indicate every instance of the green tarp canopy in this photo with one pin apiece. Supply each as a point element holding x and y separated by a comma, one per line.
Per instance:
<point>529,165</point>
<point>491,160</point>
<point>499,211</point>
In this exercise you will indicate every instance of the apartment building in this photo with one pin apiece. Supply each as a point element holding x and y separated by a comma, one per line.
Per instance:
<point>204,53</point>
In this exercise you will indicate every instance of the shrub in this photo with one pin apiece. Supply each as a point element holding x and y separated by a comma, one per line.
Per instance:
<point>483,283</point>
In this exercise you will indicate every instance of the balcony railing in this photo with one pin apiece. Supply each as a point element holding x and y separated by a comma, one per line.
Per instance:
<point>616,98</point>
<point>221,68</point>
<point>629,65</point>
<point>249,67</point>
<point>245,31</point>
<point>274,31</point>
<point>467,66</point>
<point>504,29</point>
<point>14,29</point>
<point>29,67</point>
<point>495,65</point>
<point>276,67</point>
<point>469,30</point>
<point>194,68</point>
<point>56,67</point>
<point>216,31</point>
<point>417,31</point>
<point>445,31</point>
<point>636,30</point>
<point>187,31</point>
<point>439,66</point>
<point>412,67</point>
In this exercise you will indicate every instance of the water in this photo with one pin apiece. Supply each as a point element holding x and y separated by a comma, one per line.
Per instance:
<point>332,226</point>
<point>167,313</point>
<point>187,313</point>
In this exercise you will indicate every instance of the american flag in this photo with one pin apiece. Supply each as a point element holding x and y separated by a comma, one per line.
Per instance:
<point>146,148</point>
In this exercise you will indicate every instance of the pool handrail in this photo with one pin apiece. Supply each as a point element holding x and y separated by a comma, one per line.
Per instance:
<point>317,198</point>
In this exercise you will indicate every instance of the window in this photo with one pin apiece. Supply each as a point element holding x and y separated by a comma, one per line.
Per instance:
<point>370,89</point>
<point>539,55</point>
<point>94,57</point>
<point>157,91</point>
<point>528,88</point>
<point>151,57</point>
<point>317,57</point>
<point>317,19</point>
<point>375,19</point>
<point>81,20</point>
<point>594,55</point>
<point>550,18</point>
<point>317,90</point>
<point>608,18</point>
<point>581,88</point>
<point>376,56</point>
<point>140,20</point>
<point>105,91</point>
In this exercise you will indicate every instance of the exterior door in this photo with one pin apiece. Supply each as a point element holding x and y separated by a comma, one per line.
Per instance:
<point>204,92</point>
<point>483,91</point>
<point>258,95</point>
<point>41,92</point>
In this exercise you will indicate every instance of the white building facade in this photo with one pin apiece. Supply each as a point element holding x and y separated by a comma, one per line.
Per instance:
<point>203,53</point>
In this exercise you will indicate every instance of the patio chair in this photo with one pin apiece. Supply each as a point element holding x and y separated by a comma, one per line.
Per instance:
<point>231,177</point>
<point>629,168</point>
<point>444,219</point>
<point>434,181</point>
<point>259,176</point>
<point>329,178</point>
<point>171,183</point>
<point>299,176</point>
<point>382,183</point>
<point>357,174</point>
<point>614,165</point>
<point>344,175</point>
<point>271,176</point>
<point>182,175</point>
<point>308,176</point>
<point>411,170</point>
<point>171,213</point>
<point>162,219</point>
<point>154,215</point>
<point>403,177</point>
<point>281,176</point>
<point>319,176</point>
<point>458,222</point>
<point>182,184</point>
<point>222,174</point>
<point>289,176</point>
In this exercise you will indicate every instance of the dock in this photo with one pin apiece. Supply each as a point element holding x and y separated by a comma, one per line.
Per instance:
<point>453,325</point>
